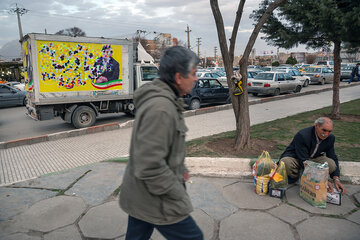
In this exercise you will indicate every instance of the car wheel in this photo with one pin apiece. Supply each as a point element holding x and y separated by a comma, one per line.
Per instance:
<point>194,104</point>
<point>25,101</point>
<point>83,116</point>
<point>306,83</point>
<point>228,101</point>
<point>322,81</point>
<point>298,89</point>
<point>255,94</point>
<point>277,92</point>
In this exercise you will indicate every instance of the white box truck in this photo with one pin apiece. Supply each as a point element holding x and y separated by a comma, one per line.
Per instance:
<point>78,78</point>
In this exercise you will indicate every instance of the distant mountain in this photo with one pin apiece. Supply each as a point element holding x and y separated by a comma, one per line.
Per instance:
<point>10,50</point>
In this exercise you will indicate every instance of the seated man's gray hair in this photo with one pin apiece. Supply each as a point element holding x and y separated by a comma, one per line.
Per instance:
<point>321,120</point>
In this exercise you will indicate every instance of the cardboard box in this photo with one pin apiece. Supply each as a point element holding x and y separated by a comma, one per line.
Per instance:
<point>334,198</point>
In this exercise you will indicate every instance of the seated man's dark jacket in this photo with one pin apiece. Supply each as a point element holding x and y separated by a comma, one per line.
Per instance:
<point>304,143</point>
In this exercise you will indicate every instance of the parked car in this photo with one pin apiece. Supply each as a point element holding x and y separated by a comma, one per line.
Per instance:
<point>294,72</point>
<point>273,83</point>
<point>211,74</point>
<point>320,74</point>
<point>329,64</point>
<point>346,69</point>
<point>205,91</point>
<point>10,96</point>
<point>216,69</point>
<point>17,85</point>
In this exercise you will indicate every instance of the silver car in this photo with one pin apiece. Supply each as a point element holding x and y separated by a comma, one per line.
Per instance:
<point>294,72</point>
<point>10,96</point>
<point>320,74</point>
<point>273,83</point>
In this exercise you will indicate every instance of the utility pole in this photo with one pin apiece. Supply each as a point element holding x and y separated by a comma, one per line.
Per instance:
<point>215,49</point>
<point>198,45</point>
<point>188,35</point>
<point>19,12</point>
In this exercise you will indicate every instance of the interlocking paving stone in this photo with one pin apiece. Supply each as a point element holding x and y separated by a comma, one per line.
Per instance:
<point>325,228</point>
<point>69,232</point>
<point>22,236</point>
<point>352,189</point>
<point>357,197</point>
<point>206,196</point>
<point>10,227</point>
<point>16,200</point>
<point>204,221</point>
<point>104,221</point>
<point>94,191</point>
<point>355,217</point>
<point>254,225</point>
<point>59,180</point>
<point>294,198</point>
<point>242,195</point>
<point>289,214</point>
<point>52,213</point>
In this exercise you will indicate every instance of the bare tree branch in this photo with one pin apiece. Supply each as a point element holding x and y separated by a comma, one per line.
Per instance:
<point>258,27</point>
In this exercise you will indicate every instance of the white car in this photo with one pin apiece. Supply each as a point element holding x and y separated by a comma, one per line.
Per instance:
<point>273,83</point>
<point>294,72</point>
<point>221,79</point>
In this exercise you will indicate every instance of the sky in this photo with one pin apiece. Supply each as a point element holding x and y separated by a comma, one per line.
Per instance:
<point>122,18</point>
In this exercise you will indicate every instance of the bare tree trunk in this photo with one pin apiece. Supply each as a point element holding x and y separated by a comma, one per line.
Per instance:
<point>242,138</point>
<point>335,113</point>
<point>240,103</point>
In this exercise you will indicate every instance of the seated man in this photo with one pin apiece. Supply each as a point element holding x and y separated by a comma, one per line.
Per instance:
<point>316,144</point>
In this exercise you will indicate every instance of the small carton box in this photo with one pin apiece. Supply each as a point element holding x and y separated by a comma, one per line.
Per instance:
<point>334,198</point>
<point>278,193</point>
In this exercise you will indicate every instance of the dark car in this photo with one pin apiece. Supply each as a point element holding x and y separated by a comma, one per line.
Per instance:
<point>346,70</point>
<point>10,96</point>
<point>207,91</point>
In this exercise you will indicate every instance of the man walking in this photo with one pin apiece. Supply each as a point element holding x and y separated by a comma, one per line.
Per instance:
<point>354,72</point>
<point>153,190</point>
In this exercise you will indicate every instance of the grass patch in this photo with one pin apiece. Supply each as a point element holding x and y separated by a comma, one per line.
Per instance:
<point>282,131</point>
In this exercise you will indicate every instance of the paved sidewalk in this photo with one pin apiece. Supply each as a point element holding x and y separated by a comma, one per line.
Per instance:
<point>82,203</point>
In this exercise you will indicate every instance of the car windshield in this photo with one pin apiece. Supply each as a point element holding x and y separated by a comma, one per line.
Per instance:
<point>264,76</point>
<point>313,70</point>
<point>222,74</point>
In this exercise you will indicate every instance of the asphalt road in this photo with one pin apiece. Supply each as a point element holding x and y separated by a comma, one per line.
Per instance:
<point>14,124</point>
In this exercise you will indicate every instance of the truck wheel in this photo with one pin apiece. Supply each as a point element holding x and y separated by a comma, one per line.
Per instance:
<point>83,116</point>
<point>194,104</point>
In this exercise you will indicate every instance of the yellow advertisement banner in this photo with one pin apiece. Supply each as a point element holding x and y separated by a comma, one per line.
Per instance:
<point>71,66</point>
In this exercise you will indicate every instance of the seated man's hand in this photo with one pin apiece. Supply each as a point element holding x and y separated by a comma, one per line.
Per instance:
<point>330,188</point>
<point>339,186</point>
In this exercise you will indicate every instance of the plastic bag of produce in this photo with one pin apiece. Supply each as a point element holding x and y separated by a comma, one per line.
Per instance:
<point>262,168</point>
<point>313,185</point>
<point>264,165</point>
<point>279,178</point>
